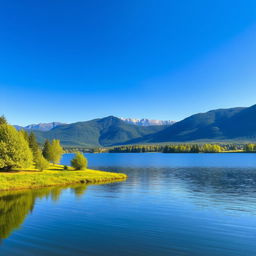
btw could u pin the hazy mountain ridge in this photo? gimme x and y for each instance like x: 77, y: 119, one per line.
x: 40, y: 126
x: 215, y: 125
x: 146, y: 122
x: 49, y: 126
x: 220, y: 124
x: 106, y: 131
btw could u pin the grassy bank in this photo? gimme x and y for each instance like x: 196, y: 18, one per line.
x: 32, y: 179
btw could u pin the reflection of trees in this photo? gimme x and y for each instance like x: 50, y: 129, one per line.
x: 79, y: 190
x: 13, y: 209
x: 228, y: 188
x: 114, y: 186
x: 16, y: 205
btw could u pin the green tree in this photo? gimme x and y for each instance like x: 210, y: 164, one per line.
x: 79, y: 162
x: 249, y: 147
x: 25, y: 134
x: 216, y: 148
x: 40, y: 162
x: 47, y: 150
x: 195, y: 149
x: 3, y: 120
x: 209, y: 148
x: 56, y: 151
x: 33, y: 145
x: 14, y: 149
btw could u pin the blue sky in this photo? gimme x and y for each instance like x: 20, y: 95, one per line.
x: 162, y: 59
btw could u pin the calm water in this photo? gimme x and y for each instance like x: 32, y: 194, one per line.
x: 171, y: 204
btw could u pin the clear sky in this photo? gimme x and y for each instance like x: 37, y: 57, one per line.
x: 76, y: 60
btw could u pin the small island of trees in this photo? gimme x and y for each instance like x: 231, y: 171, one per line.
x: 26, y: 164
x: 20, y: 149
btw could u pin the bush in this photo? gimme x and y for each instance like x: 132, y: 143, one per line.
x: 52, y: 151
x: 41, y: 163
x: 79, y: 162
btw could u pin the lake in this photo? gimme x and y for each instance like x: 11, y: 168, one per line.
x: 171, y: 204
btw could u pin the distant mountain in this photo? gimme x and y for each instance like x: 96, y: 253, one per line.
x: 234, y: 124
x: 107, y: 131
x: 39, y: 127
x: 18, y: 127
x: 146, y: 122
x: 221, y: 124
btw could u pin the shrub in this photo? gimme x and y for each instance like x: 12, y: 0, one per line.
x: 79, y: 162
x: 52, y: 151
x: 57, y: 151
x: 41, y: 163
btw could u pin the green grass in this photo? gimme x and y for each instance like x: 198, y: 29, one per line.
x: 31, y: 178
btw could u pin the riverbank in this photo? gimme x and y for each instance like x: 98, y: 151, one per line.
x: 34, y: 179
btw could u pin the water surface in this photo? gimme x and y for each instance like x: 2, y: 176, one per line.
x: 171, y: 204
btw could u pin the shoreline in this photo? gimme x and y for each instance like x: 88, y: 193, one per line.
x: 49, y: 178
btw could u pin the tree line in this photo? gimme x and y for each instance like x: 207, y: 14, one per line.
x: 250, y: 148
x: 180, y: 148
x: 184, y: 148
x: 20, y: 149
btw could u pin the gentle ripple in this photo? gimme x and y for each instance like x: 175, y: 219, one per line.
x: 171, y: 204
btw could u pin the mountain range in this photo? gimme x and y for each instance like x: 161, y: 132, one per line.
x: 146, y: 122
x: 104, y: 132
x: 234, y: 124
x: 48, y: 126
x: 39, y: 127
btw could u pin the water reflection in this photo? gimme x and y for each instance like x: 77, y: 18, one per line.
x: 16, y: 205
x: 232, y: 189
